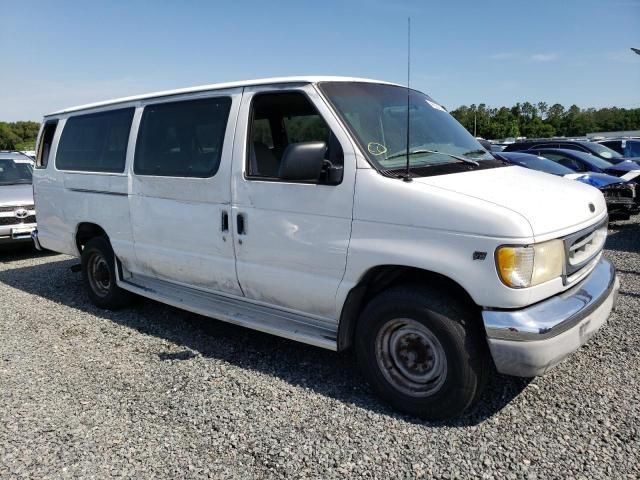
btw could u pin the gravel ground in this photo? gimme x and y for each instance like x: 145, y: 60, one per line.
x: 156, y: 392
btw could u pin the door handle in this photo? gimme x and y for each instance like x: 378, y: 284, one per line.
x: 240, y: 224
x: 225, y: 222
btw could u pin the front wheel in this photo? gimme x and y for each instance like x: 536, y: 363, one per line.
x: 422, y: 352
x: 99, y: 274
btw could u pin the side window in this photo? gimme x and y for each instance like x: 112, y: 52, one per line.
x: 44, y: 147
x: 284, y: 123
x: 182, y: 139
x: 573, y: 146
x: 581, y: 166
x: 262, y: 132
x: 572, y: 164
x: 306, y: 128
x: 96, y: 142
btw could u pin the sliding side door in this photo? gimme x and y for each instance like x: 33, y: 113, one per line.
x: 180, y: 203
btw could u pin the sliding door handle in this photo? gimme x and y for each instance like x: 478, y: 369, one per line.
x: 224, y: 226
x: 241, y: 224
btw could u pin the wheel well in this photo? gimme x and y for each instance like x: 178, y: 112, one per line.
x: 381, y: 278
x: 86, y: 231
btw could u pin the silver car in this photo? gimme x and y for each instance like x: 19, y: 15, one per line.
x: 17, y: 210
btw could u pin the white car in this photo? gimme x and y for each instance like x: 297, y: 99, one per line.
x: 17, y: 211
x: 303, y: 207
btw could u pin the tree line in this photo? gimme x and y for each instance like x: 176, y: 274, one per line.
x: 18, y: 135
x: 541, y: 120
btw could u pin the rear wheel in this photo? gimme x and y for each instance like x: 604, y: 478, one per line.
x: 422, y: 352
x: 99, y: 274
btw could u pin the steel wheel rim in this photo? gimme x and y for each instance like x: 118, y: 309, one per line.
x: 411, y: 357
x: 99, y: 275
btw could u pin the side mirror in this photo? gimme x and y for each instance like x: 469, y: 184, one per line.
x: 303, y: 161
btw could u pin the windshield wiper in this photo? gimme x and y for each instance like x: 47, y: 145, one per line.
x: 478, y: 151
x: 452, y: 155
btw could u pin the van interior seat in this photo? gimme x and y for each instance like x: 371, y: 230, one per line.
x: 263, y: 161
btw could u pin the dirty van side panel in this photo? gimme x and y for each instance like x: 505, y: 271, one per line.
x: 181, y: 190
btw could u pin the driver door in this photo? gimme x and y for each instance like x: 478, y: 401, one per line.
x: 291, y: 237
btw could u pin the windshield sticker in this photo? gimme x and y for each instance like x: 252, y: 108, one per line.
x: 436, y: 106
x: 376, y: 148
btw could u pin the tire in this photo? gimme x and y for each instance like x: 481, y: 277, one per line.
x: 422, y: 351
x: 99, y: 275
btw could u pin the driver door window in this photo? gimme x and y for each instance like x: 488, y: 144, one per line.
x: 279, y: 120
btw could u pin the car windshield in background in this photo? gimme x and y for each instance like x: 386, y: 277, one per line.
x: 377, y: 116
x: 543, y: 165
x: 604, y: 152
x: 593, y: 159
x: 12, y: 173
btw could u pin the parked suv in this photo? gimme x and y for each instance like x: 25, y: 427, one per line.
x: 17, y: 211
x: 303, y: 208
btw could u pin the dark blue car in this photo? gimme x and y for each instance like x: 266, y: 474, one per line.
x: 618, y: 193
x: 585, y: 162
x: 597, y: 149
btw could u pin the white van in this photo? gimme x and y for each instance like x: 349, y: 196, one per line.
x: 286, y: 205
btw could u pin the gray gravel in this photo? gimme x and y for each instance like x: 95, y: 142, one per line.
x: 156, y: 392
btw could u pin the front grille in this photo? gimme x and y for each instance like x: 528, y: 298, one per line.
x: 619, y: 191
x: 4, y: 221
x: 582, y: 247
x: 13, y: 208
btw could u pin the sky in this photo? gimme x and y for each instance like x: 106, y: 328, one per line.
x: 56, y: 54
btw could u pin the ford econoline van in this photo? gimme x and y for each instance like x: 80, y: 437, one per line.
x: 338, y: 212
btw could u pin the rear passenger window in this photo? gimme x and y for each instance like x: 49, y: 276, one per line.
x: 96, y: 142
x: 182, y: 139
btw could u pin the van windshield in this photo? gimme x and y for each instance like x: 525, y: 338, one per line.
x: 376, y: 114
x: 12, y: 173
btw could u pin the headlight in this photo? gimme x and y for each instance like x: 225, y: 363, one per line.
x: 521, y: 267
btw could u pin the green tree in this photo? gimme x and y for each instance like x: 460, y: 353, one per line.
x: 18, y: 135
x: 540, y: 120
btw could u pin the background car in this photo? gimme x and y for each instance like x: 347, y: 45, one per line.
x: 593, y: 148
x: 619, y: 194
x: 17, y: 210
x: 627, y: 147
x: 585, y: 162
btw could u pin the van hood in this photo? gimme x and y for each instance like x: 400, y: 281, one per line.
x: 21, y: 194
x: 548, y: 202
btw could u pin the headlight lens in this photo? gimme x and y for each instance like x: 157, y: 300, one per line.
x: 521, y: 267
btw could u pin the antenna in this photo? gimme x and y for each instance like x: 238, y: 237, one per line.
x: 407, y: 173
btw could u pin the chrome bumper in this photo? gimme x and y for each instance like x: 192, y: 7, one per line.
x: 17, y: 233
x: 36, y: 242
x: 530, y: 341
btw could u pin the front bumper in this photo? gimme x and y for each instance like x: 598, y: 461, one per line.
x: 530, y: 341
x: 16, y: 233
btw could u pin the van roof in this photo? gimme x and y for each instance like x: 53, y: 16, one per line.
x: 218, y: 86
